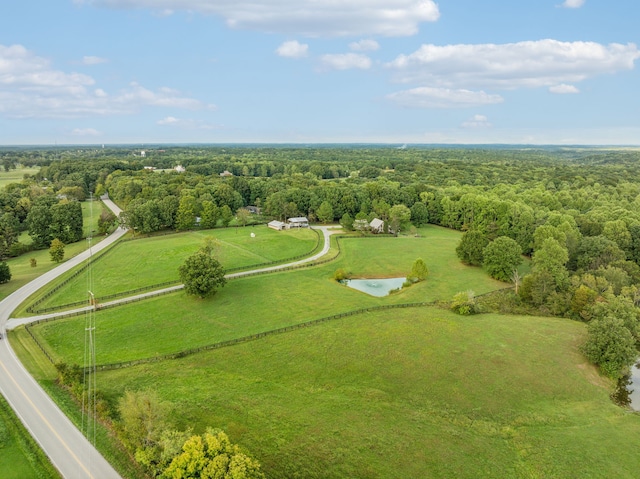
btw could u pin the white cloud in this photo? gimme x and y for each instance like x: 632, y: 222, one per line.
x: 186, y: 124
x: 563, y: 89
x: 90, y: 60
x: 31, y: 88
x: 477, y: 121
x: 345, y: 61
x: 364, y: 46
x: 529, y: 64
x: 573, y: 3
x: 293, y: 49
x: 85, y: 132
x: 428, y: 97
x: 314, y: 18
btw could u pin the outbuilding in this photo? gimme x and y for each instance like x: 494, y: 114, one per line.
x: 376, y: 226
x: 277, y: 225
x: 298, y: 222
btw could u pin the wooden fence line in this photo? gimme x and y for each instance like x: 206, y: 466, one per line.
x: 130, y: 292
x: 253, y: 337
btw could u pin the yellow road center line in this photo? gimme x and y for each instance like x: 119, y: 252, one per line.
x: 45, y: 421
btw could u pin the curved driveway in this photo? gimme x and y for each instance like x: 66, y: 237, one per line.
x: 69, y: 451
x: 67, y: 448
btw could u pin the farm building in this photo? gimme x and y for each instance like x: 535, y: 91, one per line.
x: 277, y: 225
x: 377, y: 226
x: 298, y: 222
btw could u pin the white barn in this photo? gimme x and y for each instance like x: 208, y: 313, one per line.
x: 298, y: 222
x: 277, y: 225
x: 377, y: 226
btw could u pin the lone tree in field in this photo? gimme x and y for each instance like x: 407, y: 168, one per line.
x: 56, y: 250
x: 202, y: 274
x: 419, y: 271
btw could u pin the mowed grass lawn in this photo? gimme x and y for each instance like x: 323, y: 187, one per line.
x: 148, y: 261
x: 412, y: 393
x: 245, y: 306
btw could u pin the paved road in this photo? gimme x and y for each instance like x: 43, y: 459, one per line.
x: 66, y: 447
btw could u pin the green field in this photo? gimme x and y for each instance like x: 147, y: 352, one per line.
x: 20, y: 456
x: 148, y: 261
x: 15, y: 176
x: 408, y: 393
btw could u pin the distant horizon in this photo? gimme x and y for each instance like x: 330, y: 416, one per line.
x: 393, y: 145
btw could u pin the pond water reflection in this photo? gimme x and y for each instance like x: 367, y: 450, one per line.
x: 375, y: 287
x: 628, y: 391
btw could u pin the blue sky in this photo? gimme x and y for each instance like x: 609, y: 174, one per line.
x: 305, y: 71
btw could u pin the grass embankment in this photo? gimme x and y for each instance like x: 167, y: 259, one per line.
x: 148, y: 261
x: 20, y: 456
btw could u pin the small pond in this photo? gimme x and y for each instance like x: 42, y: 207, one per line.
x: 628, y: 392
x: 375, y: 287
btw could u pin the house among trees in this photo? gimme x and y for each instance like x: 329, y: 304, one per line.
x: 277, y: 225
x: 254, y: 210
x: 180, y: 169
x: 298, y: 222
x: 377, y: 226
x: 226, y: 173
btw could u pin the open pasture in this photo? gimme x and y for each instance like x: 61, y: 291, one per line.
x: 245, y: 306
x: 148, y: 261
x: 15, y: 176
x: 405, y: 393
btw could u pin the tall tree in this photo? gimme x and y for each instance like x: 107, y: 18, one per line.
x: 66, y: 221
x: 471, y: 247
x: 501, y: 257
x: 56, y: 250
x: 187, y: 210
x: 610, y: 345
x: 202, y: 274
x: 325, y: 212
x: 9, y: 226
x: 399, y: 217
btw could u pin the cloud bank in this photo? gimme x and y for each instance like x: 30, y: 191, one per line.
x: 529, y: 64
x: 313, y: 18
x: 31, y: 88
